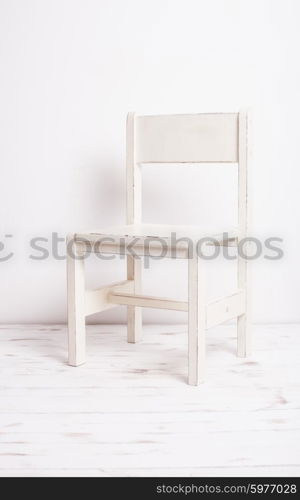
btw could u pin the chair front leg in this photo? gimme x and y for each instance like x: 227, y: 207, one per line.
x: 243, y: 321
x: 196, y: 319
x: 76, y: 303
x: 134, y: 314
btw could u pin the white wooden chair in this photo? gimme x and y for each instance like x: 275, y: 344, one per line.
x: 195, y: 138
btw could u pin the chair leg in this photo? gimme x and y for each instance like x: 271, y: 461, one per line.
x: 243, y: 328
x: 76, y: 304
x: 134, y: 314
x: 243, y: 321
x: 196, y: 320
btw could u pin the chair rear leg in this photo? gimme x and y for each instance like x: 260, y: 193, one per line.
x: 243, y: 332
x: 196, y: 320
x: 134, y: 314
x: 243, y: 321
x: 76, y: 303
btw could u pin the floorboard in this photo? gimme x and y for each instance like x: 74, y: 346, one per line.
x: 129, y: 412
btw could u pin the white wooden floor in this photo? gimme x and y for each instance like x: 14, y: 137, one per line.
x: 129, y: 411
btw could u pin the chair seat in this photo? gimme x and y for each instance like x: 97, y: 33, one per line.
x: 168, y: 233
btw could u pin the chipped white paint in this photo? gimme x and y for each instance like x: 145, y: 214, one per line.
x: 129, y: 411
x: 133, y: 216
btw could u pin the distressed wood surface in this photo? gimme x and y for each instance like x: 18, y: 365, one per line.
x: 76, y: 303
x: 133, y: 216
x: 148, y: 301
x: 244, y: 320
x: 196, y: 319
x: 225, y: 308
x: 97, y: 300
x: 129, y: 411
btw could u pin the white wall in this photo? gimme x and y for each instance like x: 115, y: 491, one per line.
x: 70, y: 71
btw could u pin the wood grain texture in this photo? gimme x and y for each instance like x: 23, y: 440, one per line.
x: 129, y: 411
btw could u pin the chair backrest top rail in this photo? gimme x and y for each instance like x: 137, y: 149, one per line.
x: 187, y: 138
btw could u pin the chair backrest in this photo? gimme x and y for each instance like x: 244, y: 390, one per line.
x: 193, y: 138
